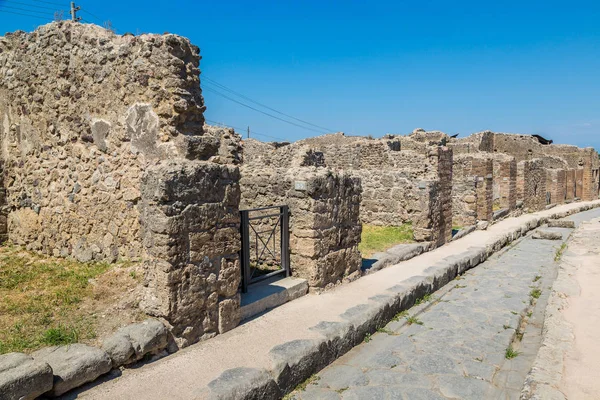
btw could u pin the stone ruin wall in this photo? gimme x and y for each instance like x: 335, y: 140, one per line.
x: 531, y: 184
x: 472, y: 189
x: 83, y: 112
x: 325, y: 223
x: 398, y: 185
x: 504, y: 181
x: 106, y: 156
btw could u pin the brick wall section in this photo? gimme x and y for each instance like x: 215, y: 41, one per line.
x: 505, y: 181
x: 325, y: 224
x: 589, y: 183
x: 570, y: 184
x: 579, y: 183
x: 472, y: 189
x: 531, y: 184
x: 556, y: 184
x: 445, y: 173
x: 190, y: 229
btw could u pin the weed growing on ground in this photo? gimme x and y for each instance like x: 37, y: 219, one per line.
x: 537, y: 278
x: 312, y: 380
x: 510, y: 353
x: 529, y: 314
x: 460, y: 286
x: 385, y: 330
x: 520, y: 334
x: 423, y: 299
x: 535, y: 293
x: 367, y: 338
x: 507, y: 326
x: 342, y: 390
x: 400, y: 315
x: 413, y: 320
x: 514, y: 312
x: 560, y: 251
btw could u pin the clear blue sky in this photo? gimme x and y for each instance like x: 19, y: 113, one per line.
x: 385, y: 66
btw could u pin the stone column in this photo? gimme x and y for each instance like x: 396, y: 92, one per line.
x: 190, y: 231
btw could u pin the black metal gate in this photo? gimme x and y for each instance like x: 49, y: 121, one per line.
x: 265, y: 244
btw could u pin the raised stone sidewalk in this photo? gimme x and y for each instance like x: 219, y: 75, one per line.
x: 269, y: 355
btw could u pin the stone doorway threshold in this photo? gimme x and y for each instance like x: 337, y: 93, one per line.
x: 271, y: 293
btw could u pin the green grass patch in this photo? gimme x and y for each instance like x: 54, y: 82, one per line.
x: 535, y: 293
x: 560, y: 251
x: 41, y: 300
x: 510, y: 353
x: 413, y: 320
x: 375, y: 239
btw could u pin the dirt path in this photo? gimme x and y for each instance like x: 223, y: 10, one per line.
x: 582, y: 366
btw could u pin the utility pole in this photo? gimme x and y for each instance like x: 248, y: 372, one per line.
x: 74, y: 10
x: 248, y: 132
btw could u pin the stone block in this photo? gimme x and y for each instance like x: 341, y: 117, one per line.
x: 73, y: 365
x: 23, y: 378
x: 561, y: 223
x: 547, y: 235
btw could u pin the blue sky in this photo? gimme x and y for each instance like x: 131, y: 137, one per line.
x: 383, y: 66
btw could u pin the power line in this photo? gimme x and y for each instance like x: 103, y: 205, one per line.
x: 260, y: 111
x: 24, y: 9
x: 240, y: 129
x: 49, y: 2
x: 31, y: 5
x: 26, y: 15
x: 262, y: 105
x: 93, y: 15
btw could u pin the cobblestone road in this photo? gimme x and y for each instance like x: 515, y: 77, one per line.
x: 456, y: 347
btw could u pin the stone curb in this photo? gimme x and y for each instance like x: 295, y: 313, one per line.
x: 56, y: 370
x: 294, y: 362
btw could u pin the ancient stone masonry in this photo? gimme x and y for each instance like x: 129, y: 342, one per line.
x: 325, y: 226
x: 472, y: 189
x: 531, y: 184
x: 82, y: 113
x: 556, y: 185
x: 106, y: 156
x: 190, y: 230
x: 505, y: 181
x: 402, y: 179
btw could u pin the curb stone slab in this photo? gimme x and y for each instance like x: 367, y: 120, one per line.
x: 561, y: 223
x: 22, y: 377
x: 73, y: 365
x: 133, y: 342
x: 547, y: 235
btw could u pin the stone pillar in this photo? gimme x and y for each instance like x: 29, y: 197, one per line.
x: 556, y: 185
x: 472, y: 189
x: 589, y: 190
x: 570, y: 185
x: 505, y: 182
x: 445, y: 164
x: 531, y: 177
x: 189, y: 214
x: 579, y: 183
x: 325, y: 227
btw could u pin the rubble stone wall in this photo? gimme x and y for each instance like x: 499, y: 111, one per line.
x: 570, y: 184
x: 556, y: 184
x: 400, y: 176
x: 531, y: 182
x: 190, y: 230
x: 505, y: 181
x: 83, y: 112
x: 472, y: 189
x: 325, y: 225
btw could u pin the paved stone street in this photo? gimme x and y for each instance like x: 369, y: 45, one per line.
x: 456, y: 348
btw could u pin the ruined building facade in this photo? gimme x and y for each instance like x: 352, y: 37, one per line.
x: 105, y: 155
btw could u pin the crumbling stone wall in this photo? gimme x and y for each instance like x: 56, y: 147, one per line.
x: 531, y: 184
x: 83, y: 112
x: 401, y: 178
x: 570, y: 184
x: 556, y: 185
x: 190, y: 226
x: 472, y: 189
x: 504, y: 181
x: 106, y: 155
x: 325, y: 224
